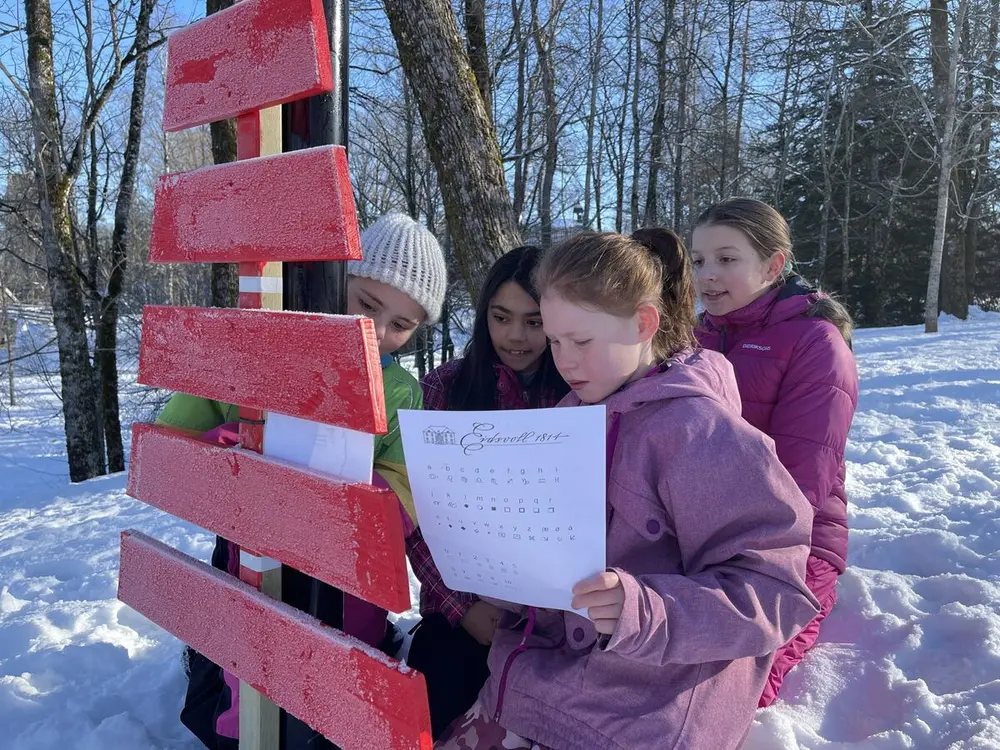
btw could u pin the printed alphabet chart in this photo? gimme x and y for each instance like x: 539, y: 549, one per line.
x: 511, y: 503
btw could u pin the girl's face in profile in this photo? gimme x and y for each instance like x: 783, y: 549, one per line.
x: 597, y: 352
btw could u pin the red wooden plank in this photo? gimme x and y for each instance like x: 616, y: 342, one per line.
x: 349, y: 535
x: 354, y: 695
x: 297, y: 206
x: 319, y: 367
x: 256, y: 54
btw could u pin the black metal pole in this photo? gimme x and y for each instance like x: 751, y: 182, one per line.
x: 321, y: 121
x: 317, y: 287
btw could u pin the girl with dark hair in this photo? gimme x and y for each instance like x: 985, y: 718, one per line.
x: 507, y: 365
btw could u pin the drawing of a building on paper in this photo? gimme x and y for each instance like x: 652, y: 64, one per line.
x: 434, y: 435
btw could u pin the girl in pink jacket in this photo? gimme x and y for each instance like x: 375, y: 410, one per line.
x: 707, y: 534
x: 790, y: 348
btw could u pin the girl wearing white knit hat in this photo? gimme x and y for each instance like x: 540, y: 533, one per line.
x: 400, y: 284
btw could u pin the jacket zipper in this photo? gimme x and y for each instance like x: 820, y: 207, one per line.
x: 722, y: 344
x: 521, y: 648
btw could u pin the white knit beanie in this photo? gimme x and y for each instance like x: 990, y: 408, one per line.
x: 400, y: 252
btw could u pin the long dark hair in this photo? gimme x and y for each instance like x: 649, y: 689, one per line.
x: 475, y: 384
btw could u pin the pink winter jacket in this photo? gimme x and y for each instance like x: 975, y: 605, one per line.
x: 710, y: 536
x: 798, y: 384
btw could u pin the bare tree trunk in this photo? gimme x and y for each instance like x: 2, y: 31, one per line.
x: 409, y: 164
x: 475, y: 36
x: 429, y: 342
x: 782, y: 128
x: 636, y: 130
x: 520, y: 170
x: 827, y: 156
x: 107, y: 331
x: 622, y: 159
x: 91, y: 277
x: 225, y: 276
x: 724, y: 104
x: 83, y: 440
x: 946, y: 90
x: 596, y: 43
x: 954, y: 294
x: 991, y: 74
x: 599, y: 186
x: 8, y: 329
x: 447, y: 345
x: 682, y: 109
x: 845, y: 224
x: 650, y: 213
x: 544, y: 39
x: 458, y: 132
x: 740, y: 103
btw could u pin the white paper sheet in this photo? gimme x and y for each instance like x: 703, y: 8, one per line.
x: 511, y: 503
x: 347, y: 454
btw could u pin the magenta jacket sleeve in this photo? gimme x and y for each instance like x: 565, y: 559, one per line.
x: 742, y: 529
x: 814, y: 411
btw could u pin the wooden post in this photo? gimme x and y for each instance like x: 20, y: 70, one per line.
x: 258, y: 134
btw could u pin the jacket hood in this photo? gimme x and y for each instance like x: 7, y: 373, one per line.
x: 688, y: 374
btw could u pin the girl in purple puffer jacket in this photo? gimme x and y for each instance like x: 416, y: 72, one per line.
x: 707, y: 533
x: 791, y: 349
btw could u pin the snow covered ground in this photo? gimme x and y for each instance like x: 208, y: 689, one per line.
x: 910, y: 657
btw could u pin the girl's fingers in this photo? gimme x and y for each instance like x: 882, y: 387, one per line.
x: 609, y: 612
x: 599, y: 598
x: 602, y: 581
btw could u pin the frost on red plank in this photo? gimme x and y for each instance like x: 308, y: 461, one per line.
x: 351, y: 693
x: 319, y: 367
x: 297, y: 206
x: 255, y: 54
x: 348, y: 535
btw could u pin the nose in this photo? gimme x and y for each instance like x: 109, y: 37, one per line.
x: 705, y: 273
x: 564, y: 363
x: 380, y: 326
x: 517, y: 332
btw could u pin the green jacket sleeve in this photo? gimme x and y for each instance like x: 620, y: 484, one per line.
x: 197, y: 414
x: 402, y: 391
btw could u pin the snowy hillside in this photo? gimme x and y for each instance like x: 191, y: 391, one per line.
x: 910, y: 658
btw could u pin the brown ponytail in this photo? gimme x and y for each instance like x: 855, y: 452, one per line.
x: 616, y: 274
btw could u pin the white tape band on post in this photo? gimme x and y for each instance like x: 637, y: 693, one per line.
x: 257, y: 564
x: 260, y: 285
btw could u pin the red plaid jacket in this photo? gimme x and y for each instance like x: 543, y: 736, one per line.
x: 434, y: 595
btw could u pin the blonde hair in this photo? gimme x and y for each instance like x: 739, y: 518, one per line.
x: 616, y: 274
x: 769, y: 234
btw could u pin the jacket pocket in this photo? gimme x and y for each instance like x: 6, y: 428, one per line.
x: 643, y: 516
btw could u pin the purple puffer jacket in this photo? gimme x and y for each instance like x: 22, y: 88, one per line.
x: 799, y: 385
x: 710, y: 537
